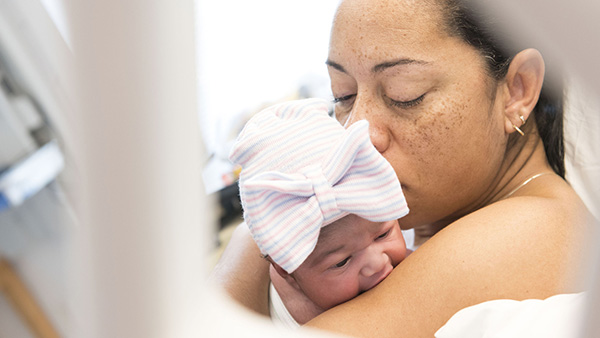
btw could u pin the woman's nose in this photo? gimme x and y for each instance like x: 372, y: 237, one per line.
x: 379, y: 137
x: 378, y: 130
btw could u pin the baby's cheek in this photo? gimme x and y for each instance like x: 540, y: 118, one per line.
x: 345, y: 290
x: 398, y: 253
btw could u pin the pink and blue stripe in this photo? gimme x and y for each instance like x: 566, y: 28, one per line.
x: 302, y: 171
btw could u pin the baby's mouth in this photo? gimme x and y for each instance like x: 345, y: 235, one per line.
x: 380, y: 279
x: 384, y: 276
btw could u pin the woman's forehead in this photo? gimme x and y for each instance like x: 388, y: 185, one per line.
x: 402, y: 12
x: 368, y: 28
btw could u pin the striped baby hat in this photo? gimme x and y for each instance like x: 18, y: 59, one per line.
x: 301, y: 170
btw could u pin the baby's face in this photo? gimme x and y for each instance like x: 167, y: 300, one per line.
x: 351, y: 256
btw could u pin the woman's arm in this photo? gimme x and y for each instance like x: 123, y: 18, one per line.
x: 243, y: 273
x: 520, y: 248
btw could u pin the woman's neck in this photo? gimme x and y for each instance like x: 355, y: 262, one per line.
x: 528, y: 161
x: 524, y: 160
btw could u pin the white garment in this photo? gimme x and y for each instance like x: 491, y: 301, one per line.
x: 555, y: 317
x: 279, y: 313
x: 409, y: 239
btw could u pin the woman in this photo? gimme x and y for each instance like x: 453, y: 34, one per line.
x: 477, y: 146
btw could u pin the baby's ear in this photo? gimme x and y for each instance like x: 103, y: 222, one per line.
x: 280, y: 271
x: 284, y: 274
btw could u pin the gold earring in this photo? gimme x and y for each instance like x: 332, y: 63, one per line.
x: 523, y: 120
x: 519, y: 130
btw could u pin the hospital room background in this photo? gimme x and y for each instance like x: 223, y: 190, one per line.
x: 99, y: 150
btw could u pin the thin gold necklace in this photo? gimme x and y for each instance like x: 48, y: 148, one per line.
x: 523, y: 184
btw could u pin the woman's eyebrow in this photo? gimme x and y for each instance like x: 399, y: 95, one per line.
x: 399, y: 62
x: 380, y: 67
x: 335, y: 65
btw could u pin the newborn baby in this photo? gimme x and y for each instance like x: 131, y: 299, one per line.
x: 322, y: 205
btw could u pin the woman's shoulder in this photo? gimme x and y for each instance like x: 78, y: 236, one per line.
x: 545, y: 230
x: 549, y: 203
x: 525, y: 246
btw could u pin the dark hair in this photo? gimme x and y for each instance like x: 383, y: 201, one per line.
x: 469, y: 24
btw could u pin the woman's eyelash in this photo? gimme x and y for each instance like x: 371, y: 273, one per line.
x: 399, y: 104
x: 343, y: 98
x: 408, y: 104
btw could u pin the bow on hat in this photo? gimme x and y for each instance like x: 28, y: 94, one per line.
x: 285, y: 211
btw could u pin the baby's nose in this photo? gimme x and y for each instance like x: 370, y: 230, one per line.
x: 375, y: 263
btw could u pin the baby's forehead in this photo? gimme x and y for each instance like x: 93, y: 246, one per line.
x: 337, y: 228
x: 345, y: 228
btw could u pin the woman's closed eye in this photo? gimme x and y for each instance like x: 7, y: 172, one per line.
x: 407, y: 104
x: 343, y: 106
x: 343, y: 99
x: 347, y: 99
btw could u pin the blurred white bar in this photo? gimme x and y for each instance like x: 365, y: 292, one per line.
x: 139, y: 250
x: 566, y: 32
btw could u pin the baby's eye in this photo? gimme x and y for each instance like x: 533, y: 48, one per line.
x: 383, y: 235
x: 342, y: 263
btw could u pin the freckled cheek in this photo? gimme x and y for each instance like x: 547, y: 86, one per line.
x: 424, y: 140
x: 435, y: 147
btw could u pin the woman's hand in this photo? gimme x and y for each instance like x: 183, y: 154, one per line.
x: 243, y: 273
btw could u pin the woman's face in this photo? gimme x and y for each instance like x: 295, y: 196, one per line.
x: 433, y: 111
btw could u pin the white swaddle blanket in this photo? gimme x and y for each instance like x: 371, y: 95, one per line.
x: 279, y: 313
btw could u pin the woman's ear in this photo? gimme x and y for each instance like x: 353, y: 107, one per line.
x: 524, y: 80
